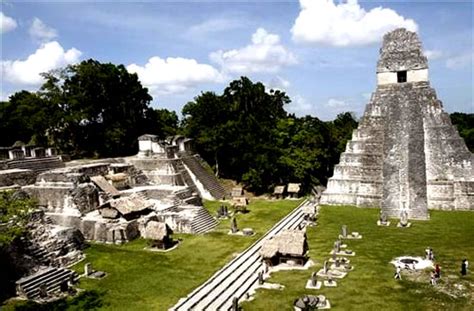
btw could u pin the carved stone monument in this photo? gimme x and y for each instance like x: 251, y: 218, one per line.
x: 233, y: 225
x: 88, y: 269
x: 314, y: 279
x: 344, y: 231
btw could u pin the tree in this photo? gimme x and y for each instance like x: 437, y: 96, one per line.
x: 14, y: 212
x: 305, y: 149
x: 104, y: 108
x: 25, y: 117
x: 465, y: 124
x: 163, y: 122
x: 235, y: 131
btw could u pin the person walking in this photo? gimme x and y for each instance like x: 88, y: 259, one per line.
x: 437, y: 271
x: 397, y: 274
x: 433, y: 278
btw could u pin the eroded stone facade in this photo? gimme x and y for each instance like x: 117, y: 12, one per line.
x: 111, y: 200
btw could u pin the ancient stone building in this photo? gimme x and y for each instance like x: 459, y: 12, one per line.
x: 405, y: 154
x: 111, y: 200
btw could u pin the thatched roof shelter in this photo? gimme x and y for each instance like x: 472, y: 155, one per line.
x: 293, y: 188
x: 288, y: 242
x: 237, y: 192
x: 309, y: 209
x: 279, y: 190
x: 155, y: 230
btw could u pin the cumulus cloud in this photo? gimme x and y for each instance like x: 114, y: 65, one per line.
x: 6, y: 23
x: 336, y: 104
x: 278, y: 83
x: 264, y: 54
x: 214, y: 25
x: 41, y: 32
x: 4, y: 96
x: 433, y: 54
x: 345, y: 24
x: 300, y: 106
x: 460, y: 61
x: 172, y: 75
x: 49, y: 56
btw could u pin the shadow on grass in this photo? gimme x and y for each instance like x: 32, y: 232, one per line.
x: 86, y: 300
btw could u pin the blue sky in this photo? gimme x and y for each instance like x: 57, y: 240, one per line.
x: 322, y: 53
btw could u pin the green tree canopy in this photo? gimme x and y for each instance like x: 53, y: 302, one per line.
x: 103, y: 108
x: 90, y: 109
x: 465, y: 125
x: 249, y: 137
x: 14, y: 211
x: 25, y: 117
x: 234, y: 131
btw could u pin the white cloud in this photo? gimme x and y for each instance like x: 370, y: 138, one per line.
x: 460, y: 61
x: 299, y: 106
x: 327, y: 109
x: 6, y: 23
x: 278, y: 83
x: 172, y: 75
x: 433, y: 54
x: 264, y: 54
x: 41, y: 32
x: 4, y: 96
x: 336, y: 104
x: 345, y: 24
x: 214, y: 25
x: 366, y: 96
x: 49, y: 56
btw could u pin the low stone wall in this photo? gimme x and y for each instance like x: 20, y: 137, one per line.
x: 17, y: 177
x: 100, y: 229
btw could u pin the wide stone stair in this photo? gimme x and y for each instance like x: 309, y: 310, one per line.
x: 29, y: 287
x: 203, y: 222
x: 37, y: 164
x: 208, y: 180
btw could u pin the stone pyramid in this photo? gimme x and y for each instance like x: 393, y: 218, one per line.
x: 405, y: 154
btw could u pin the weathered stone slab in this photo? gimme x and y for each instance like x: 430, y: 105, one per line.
x: 104, y: 185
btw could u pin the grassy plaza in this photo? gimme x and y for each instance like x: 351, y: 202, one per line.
x: 142, y: 280
x: 371, y: 286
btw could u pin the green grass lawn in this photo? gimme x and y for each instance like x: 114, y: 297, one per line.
x: 143, y: 280
x: 370, y: 286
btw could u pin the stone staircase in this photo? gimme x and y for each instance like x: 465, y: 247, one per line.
x: 37, y: 164
x: 29, y: 287
x: 208, y: 180
x: 203, y: 222
x: 41, y: 254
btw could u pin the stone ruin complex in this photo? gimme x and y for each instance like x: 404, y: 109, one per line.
x: 107, y: 200
x: 111, y: 200
x: 405, y: 155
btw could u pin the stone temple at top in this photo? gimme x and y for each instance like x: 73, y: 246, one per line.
x: 405, y: 154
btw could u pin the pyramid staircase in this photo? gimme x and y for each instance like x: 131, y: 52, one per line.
x: 208, y: 180
x: 29, y: 287
x: 37, y: 164
x: 203, y: 222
